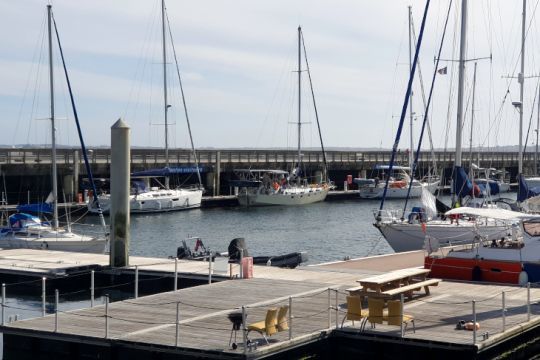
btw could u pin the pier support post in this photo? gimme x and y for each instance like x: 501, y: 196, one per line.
x: 244, y: 329
x: 76, y: 168
x: 474, y: 321
x: 218, y: 174
x: 43, y: 295
x: 136, y: 295
x: 528, y: 301
x: 3, y: 304
x: 175, y: 274
x: 56, y: 301
x: 290, y: 317
x: 120, y: 175
x: 92, y: 287
x: 106, y: 316
x: 503, y: 315
x: 177, y: 333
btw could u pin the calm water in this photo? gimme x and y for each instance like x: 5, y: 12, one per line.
x: 328, y: 231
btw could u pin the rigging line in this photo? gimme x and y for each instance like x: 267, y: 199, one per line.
x: 530, y: 118
x: 404, y: 108
x: 184, y: 102
x: 76, y: 116
x: 315, y: 108
x: 415, y: 163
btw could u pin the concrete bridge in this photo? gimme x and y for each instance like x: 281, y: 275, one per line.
x: 28, y: 170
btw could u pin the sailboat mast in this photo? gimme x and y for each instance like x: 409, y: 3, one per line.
x: 299, y: 100
x: 461, y: 80
x: 537, y: 130
x: 411, y: 156
x: 472, y: 124
x: 521, y: 80
x: 165, y: 105
x: 53, y: 125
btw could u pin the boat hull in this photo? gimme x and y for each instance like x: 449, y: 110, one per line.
x: 299, y: 196
x: 155, y: 201
x: 475, y: 269
x: 63, y: 242
x: 376, y: 192
x: 402, y: 236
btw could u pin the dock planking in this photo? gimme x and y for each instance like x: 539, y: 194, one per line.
x: 149, y: 322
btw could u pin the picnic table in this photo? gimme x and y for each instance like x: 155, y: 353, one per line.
x: 389, y: 284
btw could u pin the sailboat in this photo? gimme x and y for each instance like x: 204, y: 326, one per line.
x: 410, y: 233
x: 144, y: 197
x: 279, y: 187
x: 27, y: 231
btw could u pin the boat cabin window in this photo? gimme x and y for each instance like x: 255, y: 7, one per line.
x: 532, y: 228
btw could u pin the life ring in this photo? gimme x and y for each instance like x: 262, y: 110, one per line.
x: 275, y: 185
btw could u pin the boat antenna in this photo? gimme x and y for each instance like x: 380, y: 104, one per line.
x: 79, y: 132
x: 428, y: 104
x: 184, y: 103
x: 404, y: 108
x: 53, y: 125
x: 315, y: 107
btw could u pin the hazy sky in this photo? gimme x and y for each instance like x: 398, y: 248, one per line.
x: 237, y: 60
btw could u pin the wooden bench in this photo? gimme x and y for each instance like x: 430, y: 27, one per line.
x: 354, y: 290
x: 408, y: 289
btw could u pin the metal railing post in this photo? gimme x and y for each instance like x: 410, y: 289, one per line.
x: 474, y: 320
x: 244, y: 330
x: 503, y: 311
x: 329, y: 309
x: 136, y: 281
x: 175, y: 274
x: 210, y: 269
x: 177, y: 324
x: 336, y: 309
x: 401, y: 300
x: 528, y: 301
x: 3, y: 304
x: 92, y: 287
x: 290, y: 317
x: 106, y: 316
x: 56, y: 301
x: 43, y: 295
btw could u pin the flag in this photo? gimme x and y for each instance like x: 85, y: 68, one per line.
x: 442, y: 71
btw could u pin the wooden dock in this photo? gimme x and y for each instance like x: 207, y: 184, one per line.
x: 146, y: 326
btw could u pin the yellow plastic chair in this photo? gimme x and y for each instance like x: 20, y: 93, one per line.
x: 266, y: 327
x: 354, y: 310
x: 282, y: 320
x: 394, y: 315
x: 376, y: 313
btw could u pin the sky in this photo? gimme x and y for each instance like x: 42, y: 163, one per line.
x: 238, y: 61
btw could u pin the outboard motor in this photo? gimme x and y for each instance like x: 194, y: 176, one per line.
x: 237, y: 248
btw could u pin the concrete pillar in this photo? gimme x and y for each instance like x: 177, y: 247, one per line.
x: 68, y: 187
x: 76, y: 167
x: 318, y: 177
x: 218, y: 173
x: 120, y: 173
x: 210, y: 180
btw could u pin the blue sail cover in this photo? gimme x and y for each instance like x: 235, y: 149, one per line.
x: 524, y: 192
x: 45, y: 208
x: 21, y: 220
x: 168, y: 171
x: 462, y: 186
